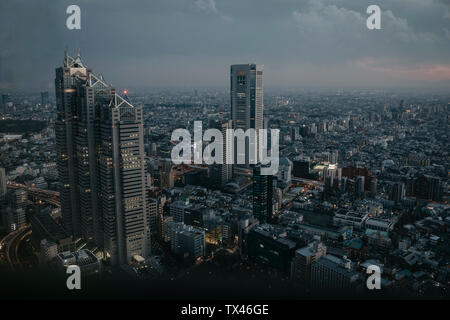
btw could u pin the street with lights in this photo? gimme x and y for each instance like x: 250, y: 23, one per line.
x: 12, y: 245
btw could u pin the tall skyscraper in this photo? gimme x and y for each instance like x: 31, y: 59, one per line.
x: 101, y: 163
x: 44, y: 98
x: 247, y: 105
x: 262, y: 195
x: 221, y: 174
x: 2, y: 182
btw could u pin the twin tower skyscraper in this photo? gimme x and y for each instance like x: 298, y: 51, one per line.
x: 101, y: 158
x: 101, y: 164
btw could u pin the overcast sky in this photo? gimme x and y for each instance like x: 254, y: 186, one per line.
x: 192, y: 43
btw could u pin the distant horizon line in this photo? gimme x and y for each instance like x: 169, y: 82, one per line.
x: 268, y: 89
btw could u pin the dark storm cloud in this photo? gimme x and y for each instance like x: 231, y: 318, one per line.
x: 179, y: 43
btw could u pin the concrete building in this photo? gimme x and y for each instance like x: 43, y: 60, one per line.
x: 285, y: 171
x: 16, y: 209
x: 187, y: 241
x: 87, y: 261
x: 333, y: 273
x: 380, y: 224
x: 177, y: 209
x: 303, y: 260
x: 344, y: 217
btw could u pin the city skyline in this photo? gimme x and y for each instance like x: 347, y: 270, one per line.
x: 106, y: 193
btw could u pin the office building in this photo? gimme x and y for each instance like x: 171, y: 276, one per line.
x: 6, y: 99
x: 269, y: 245
x: 334, y: 157
x: 87, y: 261
x: 177, y: 209
x: 398, y: 192
x: 360, y: 185
x: 221, y: 174
x: 186, y: 241
x: 333, y: 273
x: 262, y: 195
x: 101, y: 163
x: 285, y: 171
x: 152, y: 215
x: 163, y: 231
x: 16, y: 209
x: 295, y: 133
x: 303, y: 260
x: 427, y: 187
x: 44, y: 98
x: 301, y: 167
x: 247, y: 105
x: 166, y: 177
x: 352, y: 172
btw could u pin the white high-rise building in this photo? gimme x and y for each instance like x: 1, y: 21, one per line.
x: 247, y: 105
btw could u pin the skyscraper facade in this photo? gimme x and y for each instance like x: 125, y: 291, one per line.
x: 2, y: 182
x: 44, y: 98
x: 101, y: 163
x: 221, y: 174
x: 262, y: 196
x: 247, y: 107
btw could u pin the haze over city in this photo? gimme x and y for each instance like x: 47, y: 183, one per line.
x: 316, y: 44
